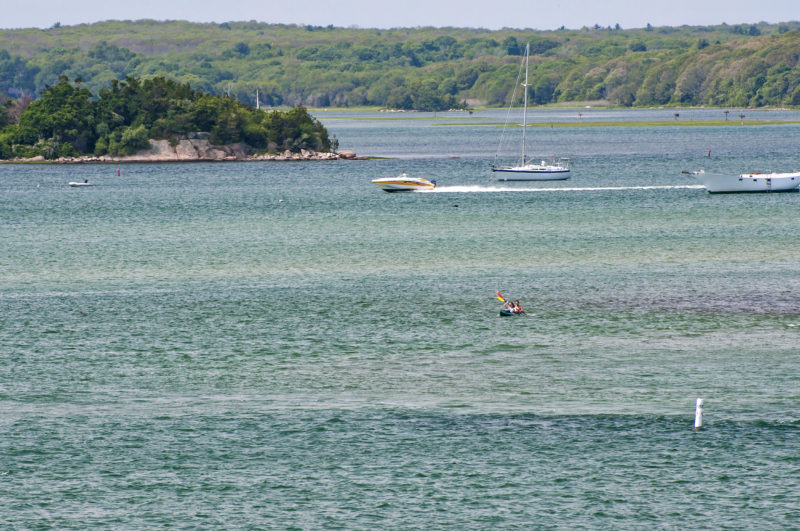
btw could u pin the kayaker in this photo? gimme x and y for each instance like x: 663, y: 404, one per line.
x: 517, y: 307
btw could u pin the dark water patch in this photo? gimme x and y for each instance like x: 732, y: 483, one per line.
x: 408, y: 458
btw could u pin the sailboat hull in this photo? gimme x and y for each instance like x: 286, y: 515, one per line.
x: 533, y: 172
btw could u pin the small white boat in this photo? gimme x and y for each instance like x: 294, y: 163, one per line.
x: 84, y: 183
x: 403, y: 183
x: 718, y: 183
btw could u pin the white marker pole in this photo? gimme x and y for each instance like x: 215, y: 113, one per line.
x: 698, y: 414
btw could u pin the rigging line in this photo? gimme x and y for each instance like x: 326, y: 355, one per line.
x: 508, y: 113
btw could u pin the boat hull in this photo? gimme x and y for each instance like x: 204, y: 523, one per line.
x: 506, y: 313
x: 404, y: 184
x: 76, y: 185
x: 556, y: 171
x: 718, y: 183
x: 513, y: 174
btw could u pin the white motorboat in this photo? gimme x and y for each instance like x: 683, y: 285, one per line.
x: 717, y: 183
x: 76, y: 184
x: 556, y: 170
x: 403, y: 183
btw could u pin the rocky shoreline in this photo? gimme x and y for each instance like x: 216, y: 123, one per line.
x: 199, y: 150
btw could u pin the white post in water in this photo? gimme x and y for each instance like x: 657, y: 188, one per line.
x: 698, y: 414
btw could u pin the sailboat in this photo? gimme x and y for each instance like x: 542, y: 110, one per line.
x: 555, y: 170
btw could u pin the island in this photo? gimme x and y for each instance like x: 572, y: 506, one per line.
x: 158, y: 120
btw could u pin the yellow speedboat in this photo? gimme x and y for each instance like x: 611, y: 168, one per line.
x: 403, y: 183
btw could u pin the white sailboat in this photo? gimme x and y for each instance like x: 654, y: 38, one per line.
x: 555, y: 170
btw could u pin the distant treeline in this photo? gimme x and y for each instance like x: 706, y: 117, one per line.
x: 68, y: 120
x: 421, y: 68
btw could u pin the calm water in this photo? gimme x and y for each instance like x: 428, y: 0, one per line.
x: 282, y: 345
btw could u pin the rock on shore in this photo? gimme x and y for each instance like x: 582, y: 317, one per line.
x: 202, y: 151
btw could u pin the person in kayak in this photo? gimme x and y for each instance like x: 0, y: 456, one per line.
x: 517, y: 307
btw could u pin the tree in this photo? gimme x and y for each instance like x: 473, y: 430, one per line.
x: 4, y: 118
x: 63, y: 114
x: 511, y: 46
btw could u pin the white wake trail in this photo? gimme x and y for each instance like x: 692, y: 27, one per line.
x: 496, y: 189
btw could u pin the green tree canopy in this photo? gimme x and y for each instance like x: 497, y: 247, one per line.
x: 68, y: 120
x: 325, y: 66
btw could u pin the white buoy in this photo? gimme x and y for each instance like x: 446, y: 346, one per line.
x: 698, y: 414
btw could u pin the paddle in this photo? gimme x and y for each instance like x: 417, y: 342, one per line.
x: 500, y: 297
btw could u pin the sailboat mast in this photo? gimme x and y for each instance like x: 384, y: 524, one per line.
x: 525, y: 104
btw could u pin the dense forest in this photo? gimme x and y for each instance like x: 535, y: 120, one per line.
x: 417, y: 68
x: 68, y: 120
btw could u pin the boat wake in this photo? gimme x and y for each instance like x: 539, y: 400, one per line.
x: 495, y: 189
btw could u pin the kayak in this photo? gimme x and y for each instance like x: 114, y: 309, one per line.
x: 506, y: 313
